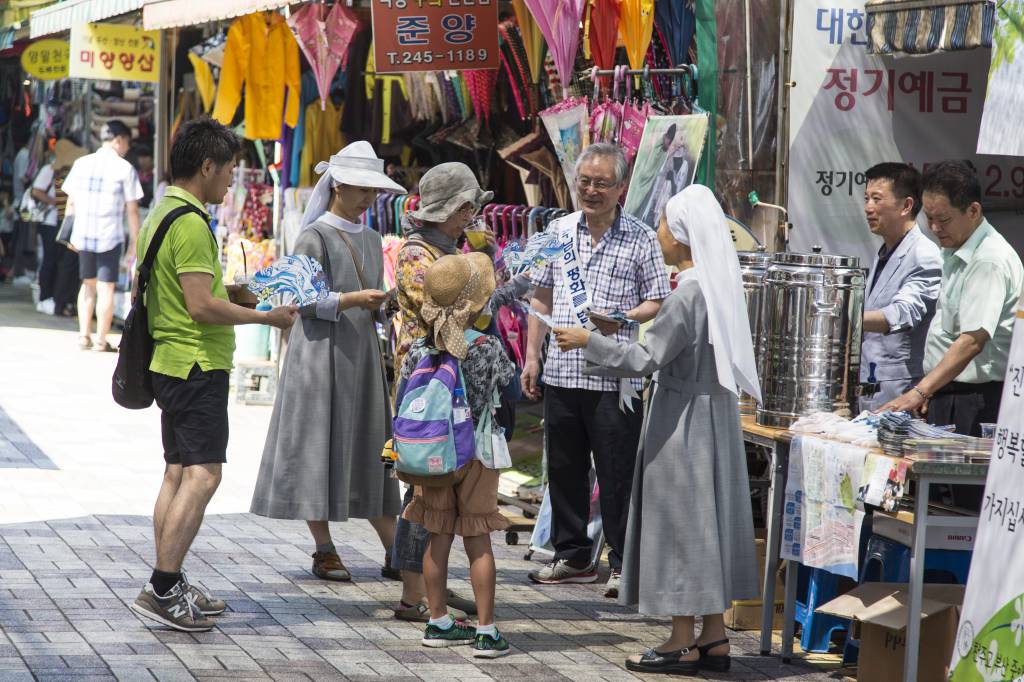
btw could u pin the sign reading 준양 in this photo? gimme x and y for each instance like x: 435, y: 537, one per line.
x: 115, y: 52
x: 435, y: 35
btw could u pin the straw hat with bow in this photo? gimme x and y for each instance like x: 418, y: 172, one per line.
x: 456, y: 289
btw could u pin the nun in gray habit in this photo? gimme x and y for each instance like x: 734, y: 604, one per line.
x: 690, y: 536
x: 332, y: 413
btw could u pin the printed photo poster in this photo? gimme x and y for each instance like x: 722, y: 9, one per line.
x: 665, y: 164
x: 851, y: 110
x: 990, y: 639
x: 566, y: 125
x: 1001, y: 129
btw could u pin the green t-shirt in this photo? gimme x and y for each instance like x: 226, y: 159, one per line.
x: 179, y: 341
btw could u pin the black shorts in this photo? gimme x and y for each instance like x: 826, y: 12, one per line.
x: 100, y: 266
x: 194, y: 416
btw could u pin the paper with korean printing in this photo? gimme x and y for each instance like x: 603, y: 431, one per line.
x: 990, y: 639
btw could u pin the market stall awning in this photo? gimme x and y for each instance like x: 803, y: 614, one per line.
x: 926, y: 26
x: 63, y: 15
x: 171, y: 13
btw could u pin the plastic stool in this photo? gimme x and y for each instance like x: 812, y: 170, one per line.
x: 816, y: 628
x: 887, y: 560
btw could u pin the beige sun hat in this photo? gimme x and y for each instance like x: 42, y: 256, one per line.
x: 456, y: 289
x: 445, y: 188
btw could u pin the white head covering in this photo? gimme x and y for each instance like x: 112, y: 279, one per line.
x: 696, y: 219
x: 356, y: 165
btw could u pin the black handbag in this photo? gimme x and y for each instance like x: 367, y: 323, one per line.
x: 132, y: 383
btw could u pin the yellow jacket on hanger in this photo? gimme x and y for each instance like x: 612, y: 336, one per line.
x: 262, y: 54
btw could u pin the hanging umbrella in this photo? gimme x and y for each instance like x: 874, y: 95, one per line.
x: 636, y: 24
x: 604, y: 31
x: 677, y: 22
x: 533, y: 40
x: 559, y: 21
x: 324, y: 41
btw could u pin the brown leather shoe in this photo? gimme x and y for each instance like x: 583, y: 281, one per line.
x: 328, y: 566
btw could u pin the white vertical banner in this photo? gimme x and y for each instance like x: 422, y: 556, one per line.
x: 990, y: 639
x: 851, y: 110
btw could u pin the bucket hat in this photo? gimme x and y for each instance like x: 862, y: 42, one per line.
x: 456, y: 288
x: 446, y: 187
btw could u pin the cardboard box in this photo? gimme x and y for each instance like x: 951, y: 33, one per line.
x: 746, y: 614
x: 879, y: 613
x: 900, y: 527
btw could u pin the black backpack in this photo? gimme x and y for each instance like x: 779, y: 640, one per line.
x: 132, y: 383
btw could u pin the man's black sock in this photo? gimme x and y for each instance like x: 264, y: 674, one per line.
x: 163, y: 582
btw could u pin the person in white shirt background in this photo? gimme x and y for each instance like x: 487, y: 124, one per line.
x: 20, y: 242
x: 103, y: 190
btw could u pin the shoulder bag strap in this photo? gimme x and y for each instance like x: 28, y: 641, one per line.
x: 145, y: 269
x: 373, y: 326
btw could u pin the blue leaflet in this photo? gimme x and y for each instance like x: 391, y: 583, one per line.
x: 300, y: 279
x: 537, y: 252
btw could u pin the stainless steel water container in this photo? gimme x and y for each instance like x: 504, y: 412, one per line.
x: 813, y: 312
x: 753, y: 267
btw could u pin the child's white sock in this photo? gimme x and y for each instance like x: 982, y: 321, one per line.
x: 445, y: 623
x: 489, y: 630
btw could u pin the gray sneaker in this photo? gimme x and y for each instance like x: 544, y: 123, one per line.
x: 177, y: 610
x: 611, y: 588
x: 559, y: 571
x: 207, y: 603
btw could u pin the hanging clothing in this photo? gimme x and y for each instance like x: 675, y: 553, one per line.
x: 204, y: 80
x: 690, y: 535
x: 262, y: 55
x: 322, y: 454
x: 322, y: 137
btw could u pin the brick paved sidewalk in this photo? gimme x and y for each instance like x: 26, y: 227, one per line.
x: 77, y: 480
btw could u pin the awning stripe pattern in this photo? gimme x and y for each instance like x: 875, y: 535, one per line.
x: 63, y: 15
x: 926, y: 26
x: 171, y: 13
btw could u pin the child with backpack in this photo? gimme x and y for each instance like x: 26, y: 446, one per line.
x: 452, y: 457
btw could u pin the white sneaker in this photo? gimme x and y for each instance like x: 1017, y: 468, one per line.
x: 22, y: 281
x: 46, y: 307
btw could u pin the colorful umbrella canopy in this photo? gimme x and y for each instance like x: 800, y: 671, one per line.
x: 636, y: 24
x: 324, y: 41
x: 604, y: 31
x: 678, y: 23
x: 533, y: 40
x: 559, y: 22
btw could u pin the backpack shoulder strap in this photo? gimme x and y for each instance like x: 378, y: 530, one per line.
x: 146, y: 267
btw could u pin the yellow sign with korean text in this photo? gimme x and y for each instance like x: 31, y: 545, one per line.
x: 47, y: 59
x: 119, y: 52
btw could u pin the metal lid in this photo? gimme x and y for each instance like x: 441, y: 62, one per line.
x: 816, y: 260
x: 754, y: 258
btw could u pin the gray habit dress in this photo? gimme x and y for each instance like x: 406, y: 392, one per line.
x: 690, y: 535
x: 321, y: 460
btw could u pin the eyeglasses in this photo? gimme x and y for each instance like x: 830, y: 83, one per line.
x: 598, y: 185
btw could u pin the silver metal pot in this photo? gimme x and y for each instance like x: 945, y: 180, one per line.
x: 813, y: 312
x: 753, y: 267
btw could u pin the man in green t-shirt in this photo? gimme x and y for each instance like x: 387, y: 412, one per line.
x: 191, y: 319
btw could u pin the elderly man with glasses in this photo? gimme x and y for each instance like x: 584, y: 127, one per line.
x: 611, y: 278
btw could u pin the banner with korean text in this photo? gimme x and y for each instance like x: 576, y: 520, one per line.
x: 119, y: 52
x: 435, y: 35
x: 990, y: 640
x: 850, y: 110
x: 46, y: 60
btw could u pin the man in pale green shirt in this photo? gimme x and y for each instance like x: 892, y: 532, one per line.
x: 191, y: 320
x: 968, y: 342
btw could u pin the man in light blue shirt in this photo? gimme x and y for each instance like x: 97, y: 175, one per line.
x: 903, y: 284
x: 968, y: 342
